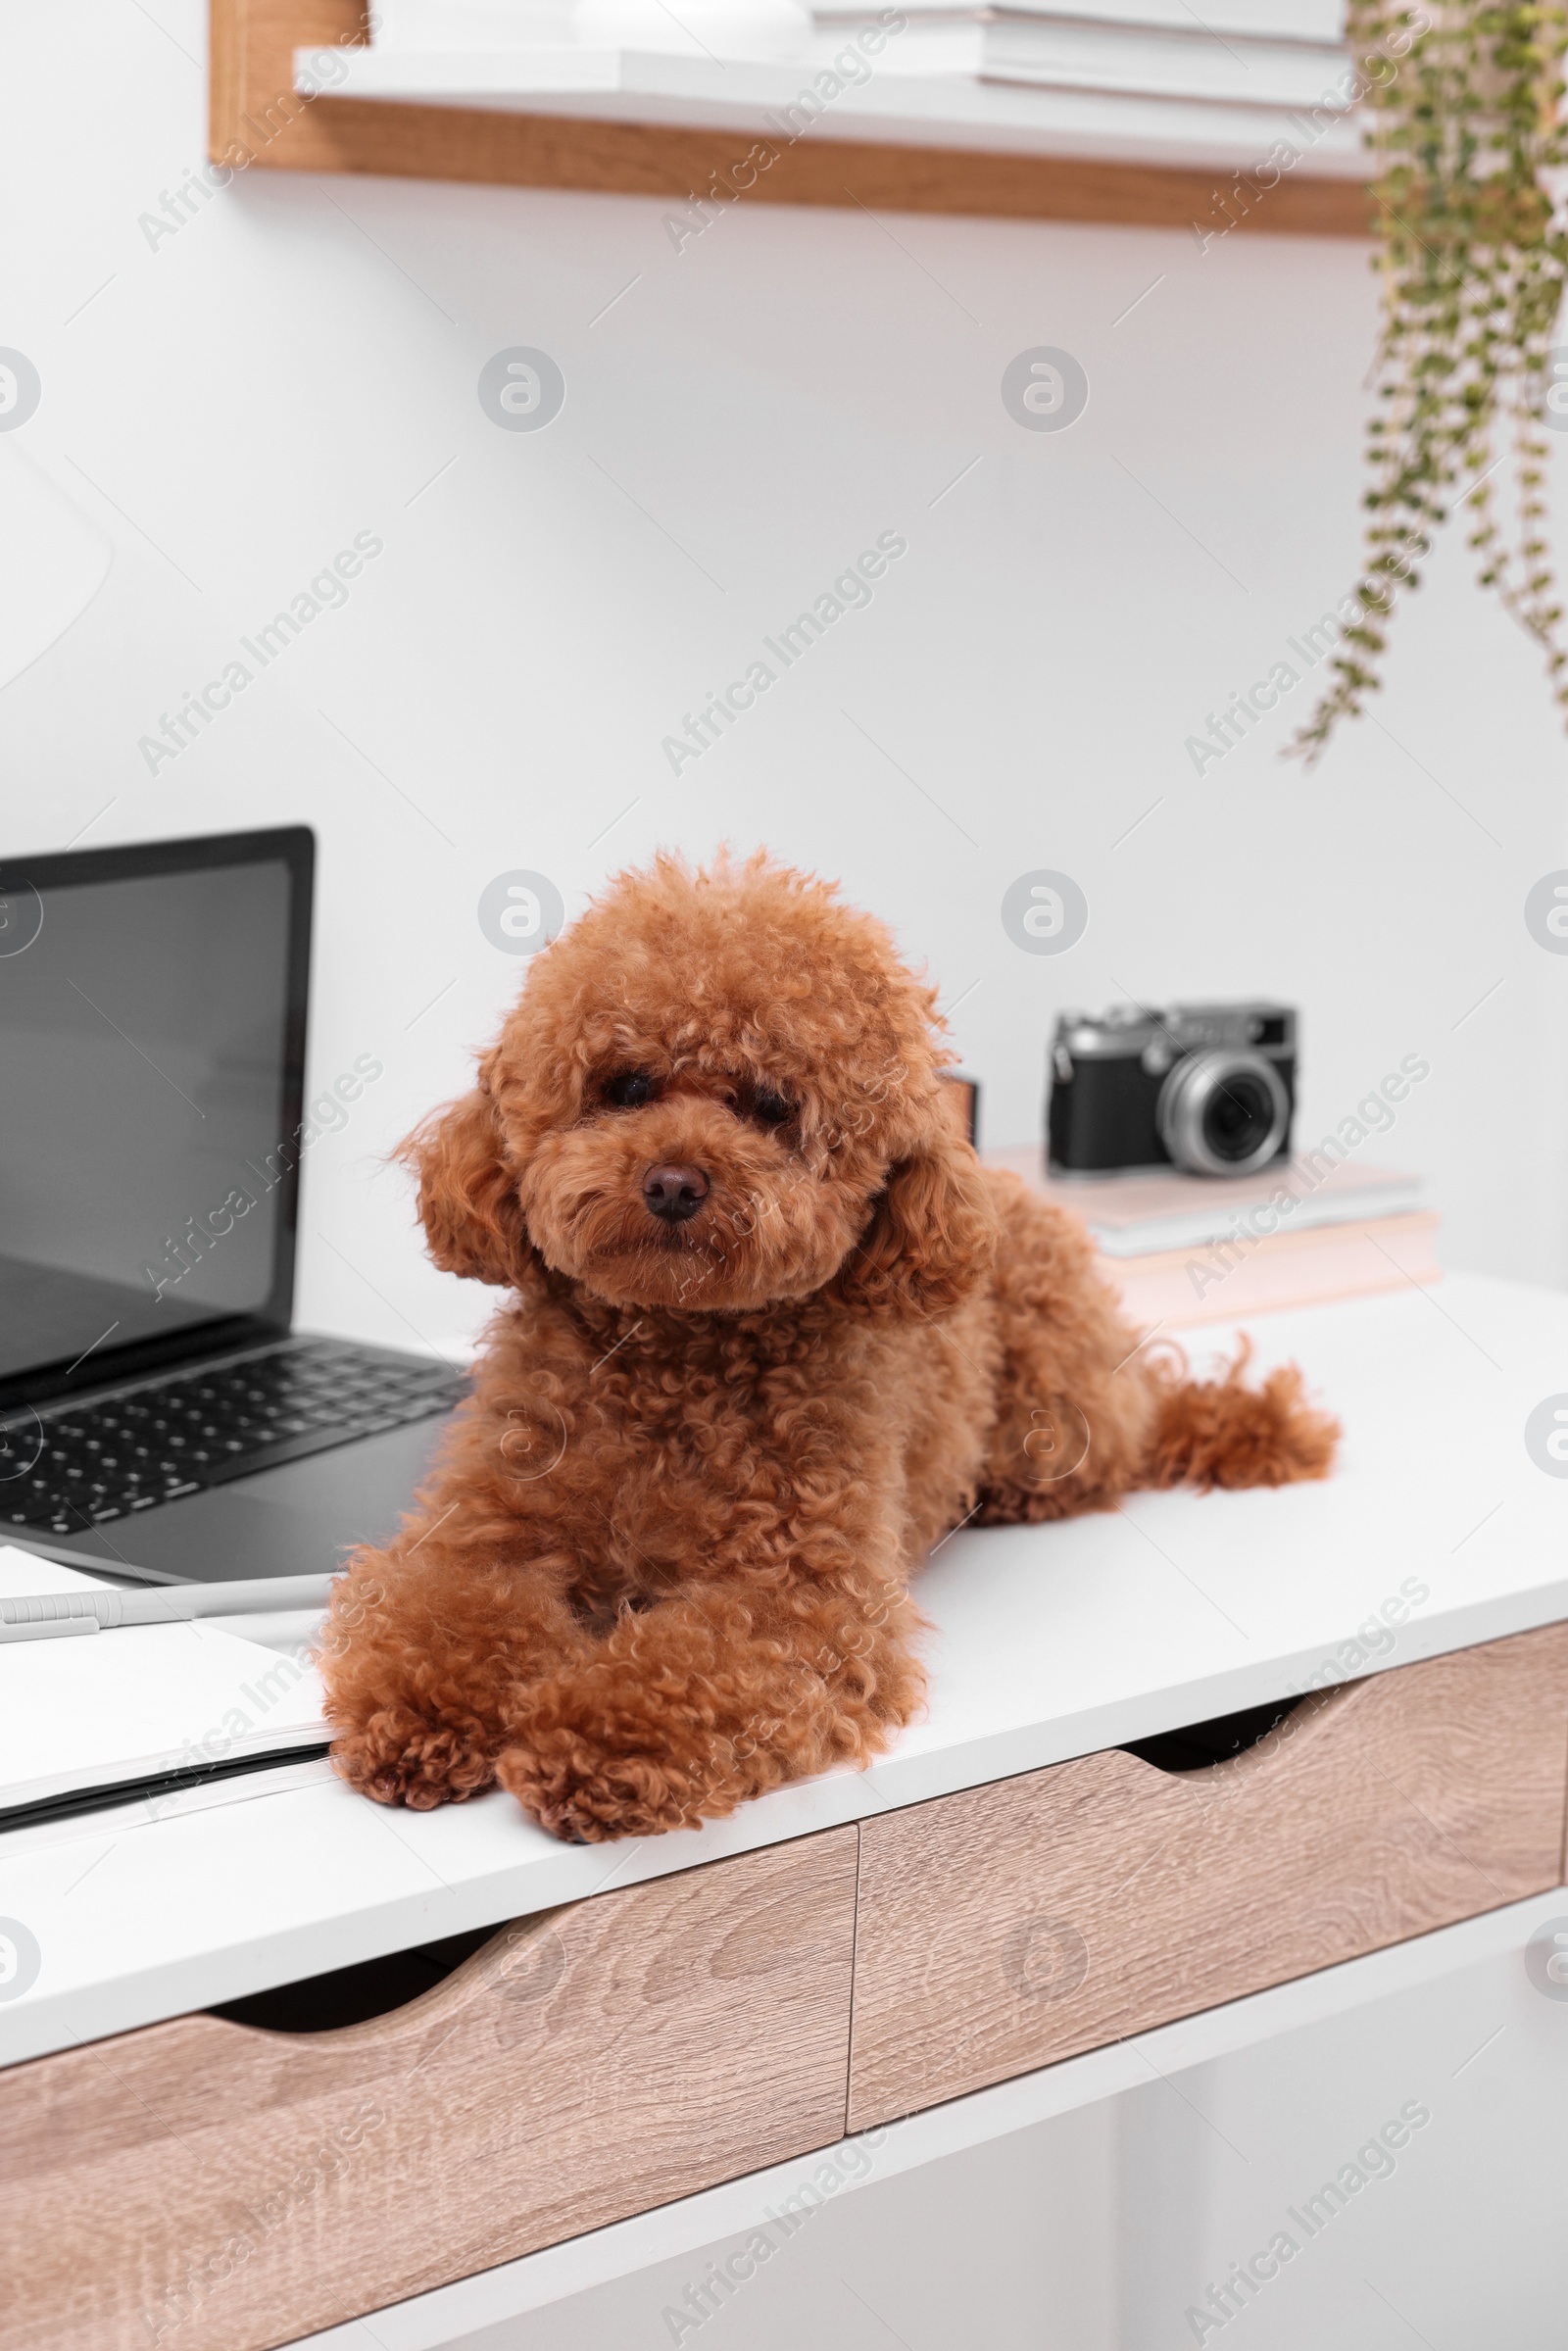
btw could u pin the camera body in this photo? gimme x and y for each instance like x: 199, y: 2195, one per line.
x: 1209, y: 1088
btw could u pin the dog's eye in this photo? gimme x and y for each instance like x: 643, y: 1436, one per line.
x: 630, y: 1090
x: 770, y: 1108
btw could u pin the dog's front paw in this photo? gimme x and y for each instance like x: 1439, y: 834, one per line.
x: 587, y: 1796
x: 402, y: 1757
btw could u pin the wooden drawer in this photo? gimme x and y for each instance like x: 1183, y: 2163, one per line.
x: 1018, y: 1923
x: 212, y: 2187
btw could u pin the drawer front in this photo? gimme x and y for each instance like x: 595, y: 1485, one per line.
x: 206, y: 2186
x: 1019, y: 1923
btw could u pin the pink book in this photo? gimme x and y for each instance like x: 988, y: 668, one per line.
x: 1223, y: 1281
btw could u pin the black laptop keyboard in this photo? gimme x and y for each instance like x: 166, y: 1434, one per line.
x: 173, y: 1437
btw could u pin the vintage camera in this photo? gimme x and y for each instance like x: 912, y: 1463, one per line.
x: 1210, y: 1088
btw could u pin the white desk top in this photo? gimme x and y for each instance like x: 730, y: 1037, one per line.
x: 1052, y: 1641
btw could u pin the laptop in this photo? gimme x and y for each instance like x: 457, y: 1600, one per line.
x: 159, y: 1416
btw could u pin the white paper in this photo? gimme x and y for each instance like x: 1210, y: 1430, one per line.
x: 95, y: 1709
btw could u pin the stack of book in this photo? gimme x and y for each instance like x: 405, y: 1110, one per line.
x: 1248, y: 89
x: 1142, y: 46
x: 1185, y: 1249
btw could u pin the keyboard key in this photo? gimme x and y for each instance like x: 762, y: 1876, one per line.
x: 175, y: 1436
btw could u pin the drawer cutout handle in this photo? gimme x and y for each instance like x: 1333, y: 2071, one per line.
x: 1200, y: 1746
x: 353, y: 1995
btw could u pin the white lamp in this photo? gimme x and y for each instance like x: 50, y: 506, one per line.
x: 416, y: 26
x: 742, y: 29
x: 723, y: 28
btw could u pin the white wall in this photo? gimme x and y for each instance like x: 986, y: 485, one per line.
x: 301, y: 359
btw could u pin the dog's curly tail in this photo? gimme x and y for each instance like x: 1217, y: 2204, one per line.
x: 1209, y: 1433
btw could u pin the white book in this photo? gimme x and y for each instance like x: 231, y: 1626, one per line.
x: 1164, y: 61
x: 1321, y: 22
x: 112, y: 1710
x: 1145, y: 1210
x: 1059, y: 53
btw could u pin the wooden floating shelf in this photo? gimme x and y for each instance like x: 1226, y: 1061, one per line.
x: 296, y: 86
x: 947, y: 111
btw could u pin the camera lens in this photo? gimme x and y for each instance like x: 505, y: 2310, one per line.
x: 1222, y: 1113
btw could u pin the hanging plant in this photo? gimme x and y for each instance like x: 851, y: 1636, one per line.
x: 1464, y: 128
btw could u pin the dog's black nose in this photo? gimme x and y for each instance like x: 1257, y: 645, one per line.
x: 673, y: 1194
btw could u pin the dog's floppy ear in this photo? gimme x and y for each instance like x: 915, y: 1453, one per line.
x: 931, y: 1237
x: 468, y: 1194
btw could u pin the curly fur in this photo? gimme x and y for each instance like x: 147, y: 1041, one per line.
x: 664, y: 1562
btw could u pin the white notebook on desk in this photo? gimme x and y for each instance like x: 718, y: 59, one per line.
x: 144, y: 1707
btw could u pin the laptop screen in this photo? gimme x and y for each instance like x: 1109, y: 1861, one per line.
x: 151, y: 1023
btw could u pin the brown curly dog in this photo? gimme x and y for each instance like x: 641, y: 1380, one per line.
x: 772, y: 1330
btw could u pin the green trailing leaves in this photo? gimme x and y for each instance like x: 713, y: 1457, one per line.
x: 1464, y: 128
